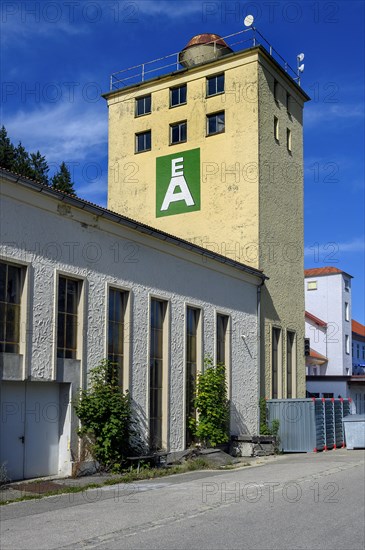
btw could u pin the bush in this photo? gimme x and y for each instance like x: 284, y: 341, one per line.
x: 106, y: 417
x: 212, y: 427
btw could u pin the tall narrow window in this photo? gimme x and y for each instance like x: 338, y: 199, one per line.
x: 68, y: 302
x: 157, y: 317
x: 288, y: 139
x: 276, y: 90
x: 358, y: 351
x: 221, y: 339
x: 347, y: 343
x: 11, y: 282
x: 192, y: 320
x: 347, y: 312
x: 275, y: 361
x: 290, y: 362
x: 276, y: 128
x: 116, y: 328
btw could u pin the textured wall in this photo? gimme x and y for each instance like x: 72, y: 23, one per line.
x: 281, y: 223
x: 53, y: 238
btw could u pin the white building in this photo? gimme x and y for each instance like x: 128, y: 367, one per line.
x: 71, y: 271
x: 329, y: 327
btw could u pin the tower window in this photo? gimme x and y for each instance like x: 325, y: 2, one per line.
x: 178, y: 95
x: 215, y: 84
x: 215, y: 123
x: 143, y: 141
x: 312, y: 285
x: 143, y: 105
x: 276, y: 128
x: 276, y: 90
x: 288, y: 139
x: 178, y: 132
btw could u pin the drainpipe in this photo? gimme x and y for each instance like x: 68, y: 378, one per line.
x: 259, y: 348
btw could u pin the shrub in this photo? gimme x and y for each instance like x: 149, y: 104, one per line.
x: 106, y: 417
x: 212, y: 427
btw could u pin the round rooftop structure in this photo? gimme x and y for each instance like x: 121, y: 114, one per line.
x: 203, y: 48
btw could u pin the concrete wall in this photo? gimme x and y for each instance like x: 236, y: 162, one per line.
x: 50, y: 238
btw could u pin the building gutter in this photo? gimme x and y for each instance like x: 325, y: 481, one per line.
x: 259, y: 348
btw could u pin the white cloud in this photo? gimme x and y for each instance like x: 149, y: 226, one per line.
x: 331, y: 113
x: 170, y: 9
x: 62, y: 132
x: 335, y: 248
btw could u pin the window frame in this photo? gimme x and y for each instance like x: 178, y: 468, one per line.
x: 76, y: 351
x: 276, y: 129
x: 164, y: 373
x: 309, y: 287
x: 347, y: 344
x: 143, y: 98
x: 21, y: 308
x: 276, y: 372
x: 289, y: 140
x: 137, y: 135
x: 212, y: 78
x: 178, y: 125
x: 347, y: 311
x: 198, y: 363
x: 124, y: 374
x: 175, y: 88
x: 209, y: 117
x: 290, y: 373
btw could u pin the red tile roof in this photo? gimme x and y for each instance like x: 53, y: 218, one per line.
x: 317, y: 355
x: 317, y: 320
x: 358, y: 328
x: 319, y: 271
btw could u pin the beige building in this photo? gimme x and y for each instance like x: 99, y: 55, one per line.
x: 213, y: 153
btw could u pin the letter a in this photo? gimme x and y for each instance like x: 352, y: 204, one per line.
x: 177, y: 180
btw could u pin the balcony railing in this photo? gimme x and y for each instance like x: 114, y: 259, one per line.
x: 238, y: 41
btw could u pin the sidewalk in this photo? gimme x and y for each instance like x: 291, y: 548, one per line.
x: 40, y: 487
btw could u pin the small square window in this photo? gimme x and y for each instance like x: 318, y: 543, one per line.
x: 178, y: 132
x: 178, y: 95
x: 143, y: 141
x: 288, y: 139
x: 276, y: 128
x: 347, y: 284
x: 143, y: 105
x: 312, y: 285
x: 215, y: 123
x: 215, y: 84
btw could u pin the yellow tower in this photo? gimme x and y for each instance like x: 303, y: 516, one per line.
x: 213, y: 153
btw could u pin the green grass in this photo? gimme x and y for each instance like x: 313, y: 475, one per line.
x: 127, y: 477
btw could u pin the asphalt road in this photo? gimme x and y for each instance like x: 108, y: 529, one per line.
x: 308, y: 501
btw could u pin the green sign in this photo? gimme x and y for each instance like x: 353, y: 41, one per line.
x: 178, y: 183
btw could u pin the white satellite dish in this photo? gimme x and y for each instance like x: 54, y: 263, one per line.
x: 300, y: 57
x: 249, y: 19
x: 301, y: 68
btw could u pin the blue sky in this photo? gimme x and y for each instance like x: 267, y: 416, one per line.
x: 57, y: 57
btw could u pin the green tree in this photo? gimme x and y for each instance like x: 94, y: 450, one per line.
x: 39, y: 167
x: 212, y: 405
x: 22, y: 164
x: 7, y: 150
x: 106, y: 416
x: 62, y: 180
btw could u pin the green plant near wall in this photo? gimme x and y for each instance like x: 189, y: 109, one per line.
x: 265, y: 429
x: 106, y: 416
x: 212, y: 426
